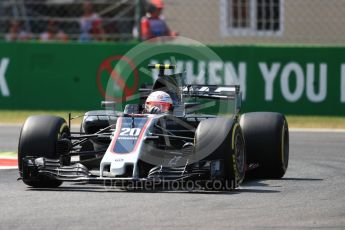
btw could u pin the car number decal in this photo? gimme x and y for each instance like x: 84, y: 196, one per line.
x: 130, y: 132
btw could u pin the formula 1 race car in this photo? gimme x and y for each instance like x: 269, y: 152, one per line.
x: 148, y: 146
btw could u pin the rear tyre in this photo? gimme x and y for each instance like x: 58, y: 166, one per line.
x: 38, y: 138
x: 231, y: 148
x: 267, y: 143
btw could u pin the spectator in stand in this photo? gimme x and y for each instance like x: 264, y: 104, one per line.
x: 90, y: 24
x: 97, y: 31
x: 52, y: 33
x: 16, y: 33
x: 153, y: 24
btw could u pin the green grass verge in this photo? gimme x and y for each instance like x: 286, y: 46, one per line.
x: 330, y: 122
x: 8, y: 154
x: 19, y: 116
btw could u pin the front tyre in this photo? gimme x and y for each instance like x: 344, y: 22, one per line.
x: 38, y: 138
x: 230, y: 148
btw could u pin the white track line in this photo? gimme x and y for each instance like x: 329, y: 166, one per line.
x: 8, y: 167
x: 316, y: 130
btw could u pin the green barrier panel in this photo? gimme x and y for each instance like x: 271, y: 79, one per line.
x: 292, y: 80
x: 52, y: 76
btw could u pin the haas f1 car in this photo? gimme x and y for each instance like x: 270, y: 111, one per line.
x: 184, y: 143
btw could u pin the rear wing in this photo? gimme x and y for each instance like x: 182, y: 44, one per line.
x: 227, y: 92
x: 215, y: 92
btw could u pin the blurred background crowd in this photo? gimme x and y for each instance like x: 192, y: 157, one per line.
x: 208, y: 21
x: 84, y: 21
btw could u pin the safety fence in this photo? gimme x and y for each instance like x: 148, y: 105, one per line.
x: 208, y: 21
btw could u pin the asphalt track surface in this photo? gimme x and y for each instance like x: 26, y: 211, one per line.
x: 310, y: 196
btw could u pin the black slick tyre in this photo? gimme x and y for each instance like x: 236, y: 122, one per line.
x: 38, y: 138
x: 267, y: 143
x: 230, y: 148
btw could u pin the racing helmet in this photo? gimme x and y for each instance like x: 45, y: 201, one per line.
x: 158, y: 102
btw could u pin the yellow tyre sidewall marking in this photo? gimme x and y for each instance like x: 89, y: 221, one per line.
x: 61, y: 129
x: 282, y: 147
x: 234, y: 165
x: 233, y: 136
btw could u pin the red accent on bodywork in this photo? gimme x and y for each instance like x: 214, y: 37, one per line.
x: 118, y: 132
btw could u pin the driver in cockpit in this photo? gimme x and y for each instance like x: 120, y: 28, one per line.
x: 158, y: 102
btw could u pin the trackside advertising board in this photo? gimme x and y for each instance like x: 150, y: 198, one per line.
x: 71, y: 76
